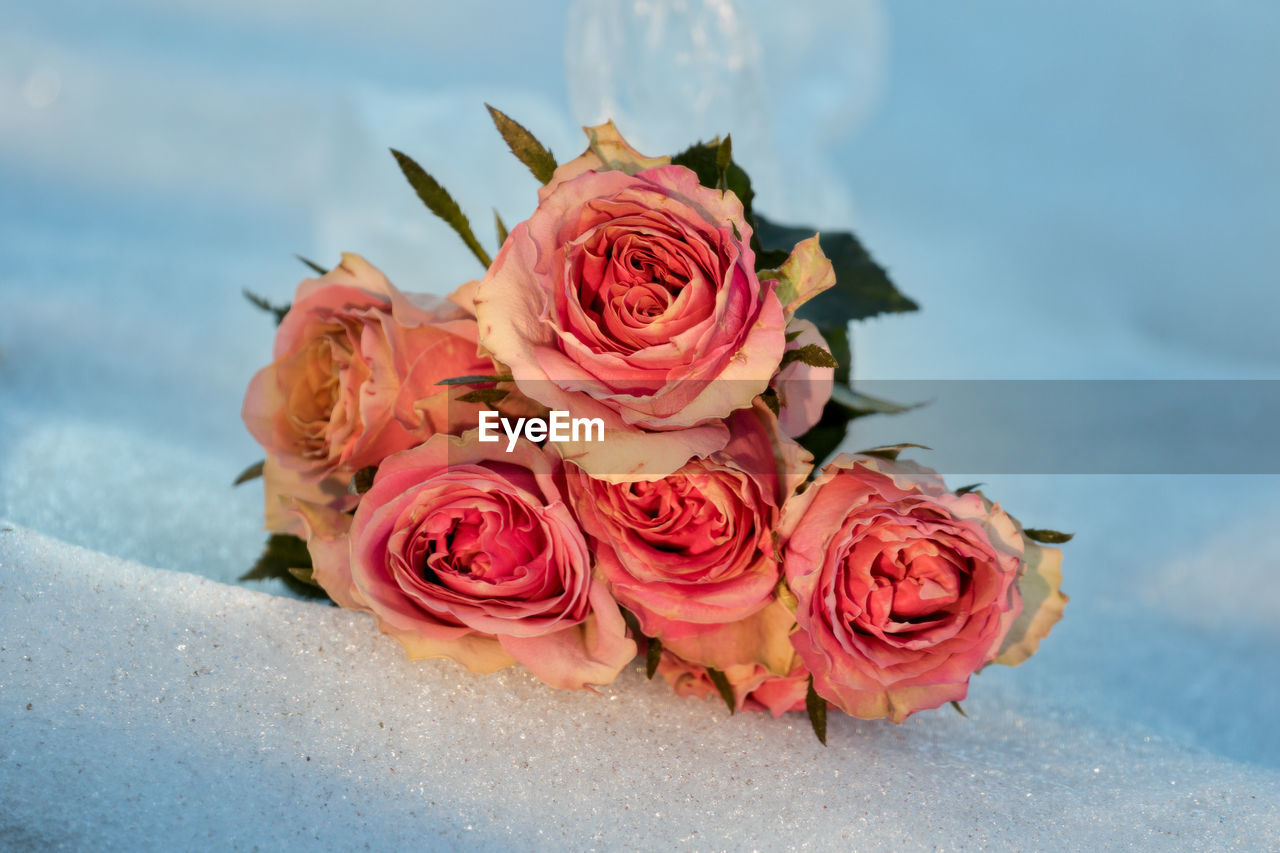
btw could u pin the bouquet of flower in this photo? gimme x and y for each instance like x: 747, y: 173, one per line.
x: 605, y: 446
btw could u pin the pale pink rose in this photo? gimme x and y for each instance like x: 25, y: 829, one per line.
x: 695, y: 549
x: 463, y: 550
x: 354, y: 380
x: 634, y: 299
x: 902, y: 588
x: 754, y: 687
x: 805, y: 273
x: 803, y: 390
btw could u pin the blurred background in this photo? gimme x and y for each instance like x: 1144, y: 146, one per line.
x: 1071, y: 190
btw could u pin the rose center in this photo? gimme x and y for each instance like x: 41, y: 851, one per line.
x: 910, y: 584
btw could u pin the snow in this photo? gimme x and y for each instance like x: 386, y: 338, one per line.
x: 147, y: 709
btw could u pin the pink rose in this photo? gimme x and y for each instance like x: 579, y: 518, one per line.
x: 902, y: 589
x: 754, y: 687
x: 463, y: 550
x: 634, y: 298
x: 695, y: 549
x: 354, y: 380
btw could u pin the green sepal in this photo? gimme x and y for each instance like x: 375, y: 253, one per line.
x: 632, y: 623
x: 319, y: 270
x: 972, y: 487
x: 816, y: 707
x: 261, y: 302
x: 959, y: 710
x: 721, y: 681
x: 770, y: 398
x: 524, y: 145
x: 439, y: 202
x: 253, y: 472
x: 500, y: 227
x: 724, y: 159
x: 652, y: 657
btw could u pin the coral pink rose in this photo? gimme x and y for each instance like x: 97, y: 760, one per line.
x: 754, y: 687
x: 354, y: 380
x: 695, y: 549
x: 463, y: 550
x: 902, y: 589
x: 634, y: 299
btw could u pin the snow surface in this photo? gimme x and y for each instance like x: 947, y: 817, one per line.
x: 149, y: 709
x: 1071, y: 190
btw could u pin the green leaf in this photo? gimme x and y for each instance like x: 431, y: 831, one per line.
x: 284, y: 555
x: 652, y: 656
x: 890, y: 451
x: 725, y: 690
x: 261, y: 302
x: 860, y: 404
x: 473, y: 380
x: 959, y: 710
x: 439, y: 202
x: 863, y: 288
x: 362, y: 480
x: 318, y: 269
x: 810, y: 354
x: 704, y: 160
x: 488, y: 396
x: 500, y: 227
x: 251, y: 473
x: 844, y: 406
x: 522, y: 143
x: 972, y: 487
x: 817, y: 708
x: 1048, y: 537
x: 791, y: 336
x: 828, y: 433
x: 837, y: 337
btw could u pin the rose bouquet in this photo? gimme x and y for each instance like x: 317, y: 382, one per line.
x: 605, y: 446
